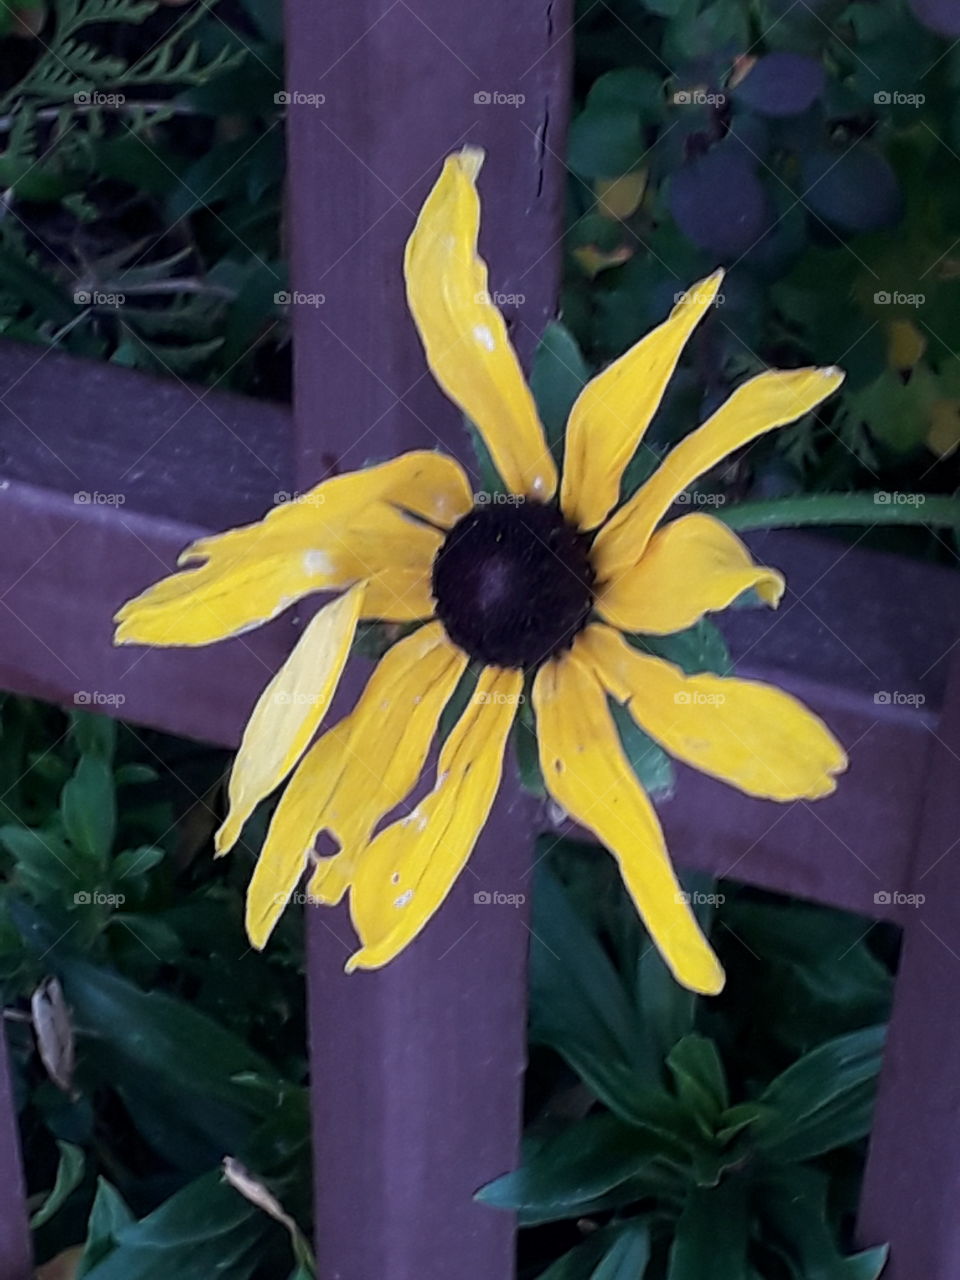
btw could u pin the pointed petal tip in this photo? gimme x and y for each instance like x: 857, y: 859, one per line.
x: 704, y: 975
x: 470, y: 159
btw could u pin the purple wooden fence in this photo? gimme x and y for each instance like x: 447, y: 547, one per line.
x: 417, y: 1070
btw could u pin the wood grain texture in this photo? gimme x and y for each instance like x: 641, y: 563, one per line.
x: 417, y: 1070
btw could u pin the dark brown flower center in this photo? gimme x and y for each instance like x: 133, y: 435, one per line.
x: 513, y: 582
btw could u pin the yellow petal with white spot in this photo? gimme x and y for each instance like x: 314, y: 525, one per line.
x: 762, y: 404
x: 587, y: 773
x: 407, y: 871
x: 757, y: 738
x: 354, y: 774
x: 348, y: 528
x: 464, y: 335
x: 692, y: 566
x: 289, y: 710
x: 614, y: 410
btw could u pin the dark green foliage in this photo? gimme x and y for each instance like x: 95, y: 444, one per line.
x: 687, y: 1137
x: 141, y: 160
x: 186, y: 1046
x: 812, y: 151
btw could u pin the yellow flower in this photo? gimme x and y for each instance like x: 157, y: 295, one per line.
x: 536, y: 584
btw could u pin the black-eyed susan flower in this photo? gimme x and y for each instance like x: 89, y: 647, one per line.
x: 540, y: 587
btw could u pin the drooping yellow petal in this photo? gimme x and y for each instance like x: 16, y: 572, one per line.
x: 354, y: 774
x: 289, y: 710
x: 763, y: 403
x: 348, y: 528
x: 757, y: 738
x: 614, y: 410
x: 692, y: 566
x: 587, y: 773
x: 463, y: 333
x: 406, y: 872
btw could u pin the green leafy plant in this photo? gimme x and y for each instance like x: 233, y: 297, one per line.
x: 141, y: 156
x: 678, y: 1137
x: 140, y: 1061
x: 799, y: 147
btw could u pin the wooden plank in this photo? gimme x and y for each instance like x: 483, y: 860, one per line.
x: 16, y: 1256
x: 416, y: 1070
x: 160, y: 463
x: 913, y: 1169
x: 873, y: 663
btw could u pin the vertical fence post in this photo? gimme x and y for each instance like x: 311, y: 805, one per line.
x: 910, y: 1194
x: 417, y: 1069
x: 15, y: 1250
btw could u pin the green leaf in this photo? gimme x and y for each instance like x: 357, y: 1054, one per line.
x: 44, y: 863
x: 94, y: 735
x: 579, y: 1007
x: 700, y: 1080
x: 562, y: 1174
x: 605, y: 142
x: 713, y: 1233
x: 698, y: 648
x: 204, y: 1230
x: 824, y: 1100
x: 88, y: 809
x: 651, y: 764
x: 558, y: 376
x: 628, y: 1256
x: 136, y: 862
x: 107, y: 1218
x: 794, y: 1207
x: 134, y: 773
x: 883, y: 507
x: 178, y: 1074
x: 527, y: 751
x: 69, y: 1176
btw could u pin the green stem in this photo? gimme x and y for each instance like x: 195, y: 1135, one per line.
x: 844, y: 508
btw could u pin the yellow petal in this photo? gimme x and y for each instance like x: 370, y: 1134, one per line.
x: 692, y: 566
x: 614, y: 410
x: 348, y: 528
x: 405, y: 874
x: 587, y: 773
x: 757, y: 738
x: 289, y: 710
x: 464, y: 335
x: 763, y: 403
x: 354, y: 774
